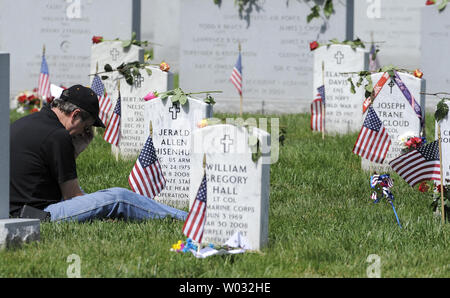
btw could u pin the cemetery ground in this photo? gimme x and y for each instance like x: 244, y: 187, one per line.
x: 322, y: 223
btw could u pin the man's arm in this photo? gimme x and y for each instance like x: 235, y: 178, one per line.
x: 70, y: 189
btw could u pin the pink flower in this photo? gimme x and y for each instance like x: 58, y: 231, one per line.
x: 151, y: 95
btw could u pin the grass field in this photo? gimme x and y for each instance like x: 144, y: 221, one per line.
x: 321, y: 224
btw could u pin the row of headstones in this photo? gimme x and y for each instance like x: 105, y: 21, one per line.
x: 237, y: 187
x: 344, y: 109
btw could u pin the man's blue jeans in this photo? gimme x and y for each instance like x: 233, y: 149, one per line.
x: 114, y: 203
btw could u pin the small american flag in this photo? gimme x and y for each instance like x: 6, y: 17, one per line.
x: 373, y: 62
x: 44, y: 80
x: 317, y: 110
x: 112, y: 131
x: 104, y: 101
x: 373, y: 140
x: 147, y: 178
x: 236, y: 75
x: 419, y: 165
x: 195, y: 221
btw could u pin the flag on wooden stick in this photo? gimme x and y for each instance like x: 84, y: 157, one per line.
x: 44, y: 79
x: 317, y: 110
x: 112, y: 132
x: 373, y: 140
x: 147, y: 177
x: 236, y: 75
x: 195, y: 221
x: 104, y: 101
x: 419, y: 165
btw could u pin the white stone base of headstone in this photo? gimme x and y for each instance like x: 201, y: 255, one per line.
x: 14, y: 232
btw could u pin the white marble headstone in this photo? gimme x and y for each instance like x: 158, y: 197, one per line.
x: 133, y: 127
x: 173, y: 126
x: 435, y: 37
x: 277, y: 63
x: 343, y: 109
x: 114, y: 54
x: 237, y: 187
x: 445, y: 143
x: 396, y: 25
x: 397, y: 115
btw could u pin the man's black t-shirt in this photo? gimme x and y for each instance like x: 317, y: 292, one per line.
x: 42, y: 157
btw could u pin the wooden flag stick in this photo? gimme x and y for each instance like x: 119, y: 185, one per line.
x: 42, y: 99
x: 96, y: 68
x: 323, y: 99
x: 240, y: 93
x: 442, y: 174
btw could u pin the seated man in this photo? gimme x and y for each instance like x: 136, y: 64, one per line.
x: 43, y: 149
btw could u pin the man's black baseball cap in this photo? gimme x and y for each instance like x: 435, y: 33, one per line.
x: 84, y: 98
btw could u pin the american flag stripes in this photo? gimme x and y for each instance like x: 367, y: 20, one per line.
x: 112, y: 132
x: 44, y: 80
x: 104, y: 101
x: 195, y: 221
x: 373, y: 140
x: 317, y: 110
x: 236, y: 75
x: 419, y: 165
x: 147, y: 177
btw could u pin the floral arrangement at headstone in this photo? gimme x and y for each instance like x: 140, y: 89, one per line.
x: 28, y: 101
x: 409, y: 141
x: 434, y: 190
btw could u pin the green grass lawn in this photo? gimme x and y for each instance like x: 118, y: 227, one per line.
x: 321, y: 224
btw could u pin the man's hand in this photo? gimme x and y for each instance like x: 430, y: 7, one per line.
x: 70, y: 189
x: 81, y: 141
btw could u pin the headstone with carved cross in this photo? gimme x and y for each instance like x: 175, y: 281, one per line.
x: 343, y: 113
x: 133, y: 127
x: 172, y: 126
x: 397, y: 114
x: 12, y: 231
x: 114, y: 54
x: 238, y: 186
